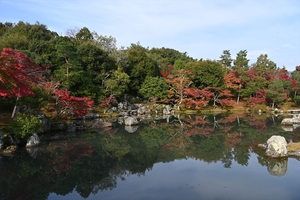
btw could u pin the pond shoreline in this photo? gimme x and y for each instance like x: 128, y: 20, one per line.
x: 140, y: 113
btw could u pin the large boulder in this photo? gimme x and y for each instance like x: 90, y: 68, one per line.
x: 276, y: 147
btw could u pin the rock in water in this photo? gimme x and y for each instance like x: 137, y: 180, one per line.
x: 34, y: 140
x: 130, y: 121
x: 276, y: 147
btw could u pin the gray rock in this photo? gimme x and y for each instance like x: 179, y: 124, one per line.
x: 130, y: 121
x: 90, y: 116
x: 112, y: 110
x: 167, y: 110
x: 9, y: 151
x: 124, y: 113
x: 100, y: 124
x: 296, y: 153
x: 264, y: 146
x: 34, y: 140
x: 293, y: 120
x: 276, y: 147
x: 120, y: 106
x: 142, y: 110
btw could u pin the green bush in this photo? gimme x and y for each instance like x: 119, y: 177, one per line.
x: 297, y: 100
x: 260, y: 107
x: 24, y: 126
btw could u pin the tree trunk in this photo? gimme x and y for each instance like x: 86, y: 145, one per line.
x: 238, y: 99
x: 15, y: 110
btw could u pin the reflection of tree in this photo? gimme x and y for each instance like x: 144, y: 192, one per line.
x: 208, y: 149
x: 21, y: 176
x: 95, y: 161
x: 179, y: 141
x: 67, y: 153
x: 241, y: 155
x: 227, y: 159
x: 198, y: 125
x: 260, y: 124
x: 232, y: 139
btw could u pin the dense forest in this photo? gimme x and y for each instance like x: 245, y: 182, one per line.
x: 83, y: 68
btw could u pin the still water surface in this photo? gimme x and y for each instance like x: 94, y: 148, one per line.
x: 192, y: 157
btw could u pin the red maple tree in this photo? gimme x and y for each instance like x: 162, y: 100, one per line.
x: 108, y: 102
x: 178, y: 82
x: 67, y: 105
x: 17, y: 73
x: 196, y: 98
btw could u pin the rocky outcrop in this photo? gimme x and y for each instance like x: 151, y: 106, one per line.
x: 295, y: 119
x: 89, y: 116
x: 128, y: 109
x: 276, y: 147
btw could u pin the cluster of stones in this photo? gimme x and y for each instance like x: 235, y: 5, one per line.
x: 130, y: 115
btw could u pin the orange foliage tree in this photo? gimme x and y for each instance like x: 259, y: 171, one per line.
x: 178, y: 82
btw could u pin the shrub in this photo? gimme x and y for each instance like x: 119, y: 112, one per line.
x: 262, y: 108
x: 297, y: 100
x: 24, y: 126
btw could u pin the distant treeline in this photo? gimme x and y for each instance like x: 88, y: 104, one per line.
x: 87, y: 64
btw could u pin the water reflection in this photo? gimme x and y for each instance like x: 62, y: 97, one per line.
x: 92, y: 163
x: 276, y: 167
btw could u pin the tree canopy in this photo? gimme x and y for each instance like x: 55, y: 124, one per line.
x: 88, y: 64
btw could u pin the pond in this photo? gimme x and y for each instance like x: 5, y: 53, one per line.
x: 186, y: 157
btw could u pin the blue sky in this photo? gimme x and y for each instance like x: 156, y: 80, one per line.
x: 202, y: 28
